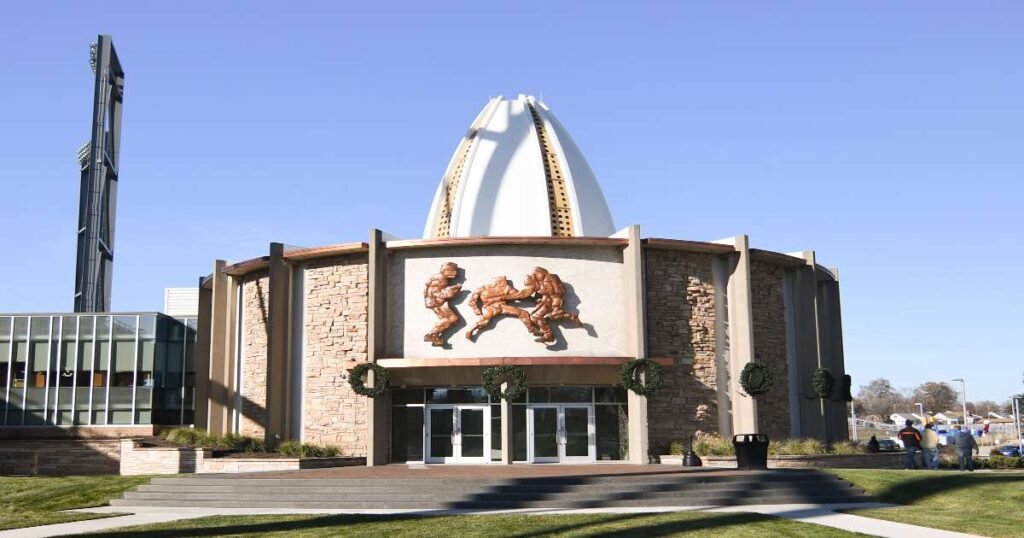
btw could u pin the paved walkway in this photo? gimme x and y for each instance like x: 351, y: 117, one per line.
x: 807, y: 513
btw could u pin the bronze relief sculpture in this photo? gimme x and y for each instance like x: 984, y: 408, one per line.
x: 436, y: 295
x: 541, y: 285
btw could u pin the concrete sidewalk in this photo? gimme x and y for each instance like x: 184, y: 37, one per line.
x: 823, y: 514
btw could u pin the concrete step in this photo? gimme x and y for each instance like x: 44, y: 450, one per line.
x: 428, y: 495
x: 454, y: 487
x: 483, y: 505
x: 222, y: 480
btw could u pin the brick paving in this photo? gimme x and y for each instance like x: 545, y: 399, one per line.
x: 487, y: 471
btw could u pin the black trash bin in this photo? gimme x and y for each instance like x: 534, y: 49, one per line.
x: 751, y: 451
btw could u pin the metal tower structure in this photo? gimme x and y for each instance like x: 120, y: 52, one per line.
x: 98, y: 199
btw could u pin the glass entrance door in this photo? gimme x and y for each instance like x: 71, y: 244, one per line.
x: 561, y: 433
x: 457, y: 434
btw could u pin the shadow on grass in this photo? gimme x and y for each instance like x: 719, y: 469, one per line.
x: 638, y: 527
x: 908, y: 492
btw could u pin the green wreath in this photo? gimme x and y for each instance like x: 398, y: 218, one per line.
x: 380, y: 380
x: 631, y: 376
x: 515, y: 376
x: 757, y: 378
x: 824, y: 383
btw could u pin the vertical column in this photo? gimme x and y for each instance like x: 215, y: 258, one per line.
x: 636, y: 327
x: 221, y: 357
x: 201, y: 399
x: 279, y: 369
x: 741, y: 334
x: 830, y: 336
x: 805, y: 328
x: 506, y: 428
x: 376, y: 408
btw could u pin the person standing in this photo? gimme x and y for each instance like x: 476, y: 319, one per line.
x: 911, y: 443
x: 966, y: 446
x: 930, y: 447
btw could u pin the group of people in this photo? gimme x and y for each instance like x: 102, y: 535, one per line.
x: 928, y: 444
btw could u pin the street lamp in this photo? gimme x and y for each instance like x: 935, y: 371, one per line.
x: 920, y: 407
x: 963, y: 395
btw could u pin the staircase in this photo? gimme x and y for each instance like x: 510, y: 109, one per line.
x: 565, y: 492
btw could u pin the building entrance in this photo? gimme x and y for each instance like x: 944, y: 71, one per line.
x: 458, y: 434
x: 561, y: 433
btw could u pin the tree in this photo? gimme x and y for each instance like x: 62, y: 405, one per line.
x: 984, y: 407
x: 937, y: 396
x: 880, y: 398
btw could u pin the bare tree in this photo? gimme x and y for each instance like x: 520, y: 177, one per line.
x: 880, y: 398
x: 937, y: 396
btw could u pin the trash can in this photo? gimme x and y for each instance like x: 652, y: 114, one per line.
x: 751, y: 451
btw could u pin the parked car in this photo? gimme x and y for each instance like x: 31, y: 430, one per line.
x: 1012, y: 451
x: 888, y: 445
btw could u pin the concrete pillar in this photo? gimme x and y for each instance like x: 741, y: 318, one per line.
x: 830, y: 336
x: 636, y: 327
x: 201, y: 401
x: 807, y: 352
x: 279, y: 369
x: 221, y: 361
x: 506, y: 428
x: 377, y: 409
x: 740, y: 314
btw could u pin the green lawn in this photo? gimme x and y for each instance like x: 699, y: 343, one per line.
x: 28, y: 501
x: 522, y: 526
x: 985, y: 503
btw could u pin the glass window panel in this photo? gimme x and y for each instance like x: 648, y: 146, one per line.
x: 450, y: 395
x: 124, y: 328
x: 5, y: 351
x: 147, y: 327
x: 406, y: 396
x: 545, y: 432
x: 69, y: 327
x: 518, y: 433
x: 612, y: 424
x: 5, y: 328
x: 577, y: 435
x: 40, y: 328
x: 496, y: 433
x: 20, y: 367
x: 85, y: 326
x: 39, y: 362
x: 124, y: 364
x: 102, y: 327
x: 572, y: 394
x: 14, y: 408
x: 407, y: 433
x: 84, y: 365
x: 610, y: 395
x: 20, y: 328
x: 540, y: 394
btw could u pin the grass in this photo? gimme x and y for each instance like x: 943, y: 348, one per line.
x: 985, y: 503
x: 28, y: 501
x: 374, y: 526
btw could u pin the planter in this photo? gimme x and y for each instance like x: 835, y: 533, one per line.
x: 882, y: 460
x: 136, y: 460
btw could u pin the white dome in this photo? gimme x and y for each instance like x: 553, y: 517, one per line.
x: 518, y: 173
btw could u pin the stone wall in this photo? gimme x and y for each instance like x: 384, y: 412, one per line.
x: 882, y: 460
x: 337, y: 299
x: 255, y: 305
x: 766, y: 297
x: 136, y: 460
x: 680, y: 304
x: 59, y: 457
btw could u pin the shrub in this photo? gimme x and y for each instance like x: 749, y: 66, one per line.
x: 295, y: 449
x: 998, y: 461
x: 676, y: 448
x: 796, y: 447
x: 244, y: 443
x: 187, y: 436
x: 845, y: 448
x: 712, y: 445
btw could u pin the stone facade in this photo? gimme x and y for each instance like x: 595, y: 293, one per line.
x: 59, y: 457
x: 136, y: 460
x: 255, y: 300
x: 766, y: 297
x: 680, y: 304
x: 337, y: 299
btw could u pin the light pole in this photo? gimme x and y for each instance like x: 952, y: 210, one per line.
x: 963, y: 396
x: 920, y: 407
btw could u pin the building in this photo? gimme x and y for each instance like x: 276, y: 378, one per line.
x: 84, y: 370
x: 519, y: 265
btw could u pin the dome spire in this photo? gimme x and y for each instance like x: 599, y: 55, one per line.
x: 517, y: 172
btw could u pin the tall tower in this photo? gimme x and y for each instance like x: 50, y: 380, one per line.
x: 98, y: 199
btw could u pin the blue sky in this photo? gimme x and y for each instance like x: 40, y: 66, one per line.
x: 887, y: 136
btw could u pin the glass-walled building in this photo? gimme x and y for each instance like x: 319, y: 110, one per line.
x: 96, y: 369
